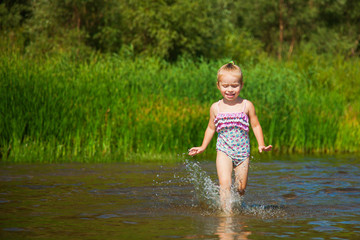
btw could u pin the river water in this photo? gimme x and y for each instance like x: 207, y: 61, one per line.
x: 295, y: 197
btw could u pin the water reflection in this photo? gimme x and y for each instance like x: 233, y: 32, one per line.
x: 230, y: 228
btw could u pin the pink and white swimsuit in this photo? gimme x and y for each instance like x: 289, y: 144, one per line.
x: 233, y: 135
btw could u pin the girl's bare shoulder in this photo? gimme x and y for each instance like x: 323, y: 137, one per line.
x: 214, y: 108
x: 249, y: 103
x: 249, y: 107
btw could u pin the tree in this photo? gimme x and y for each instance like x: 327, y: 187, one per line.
x: 162, y: 28
x: 338, y: 30
x: 172, y: 28
x: 75, y: 26
x: 284, y: 24
x: 13, y: 14
x: 277, y: 23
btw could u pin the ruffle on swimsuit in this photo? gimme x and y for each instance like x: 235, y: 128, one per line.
x: 227, y: 120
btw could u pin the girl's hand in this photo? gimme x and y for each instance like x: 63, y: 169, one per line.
x: 265, y: 148
x: 196, y: 150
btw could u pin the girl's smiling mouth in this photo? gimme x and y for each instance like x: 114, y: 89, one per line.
x: 230, y: 95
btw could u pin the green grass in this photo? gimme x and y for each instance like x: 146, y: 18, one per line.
x: 117, y: 109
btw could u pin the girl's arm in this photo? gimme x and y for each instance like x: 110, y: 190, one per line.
x: 209, y: 133
x: 255, y: 125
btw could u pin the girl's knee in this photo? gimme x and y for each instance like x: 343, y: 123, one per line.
x: 225, y: 182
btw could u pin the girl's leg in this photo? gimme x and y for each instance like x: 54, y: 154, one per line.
x: 224, y: 170
x: 241, y: 176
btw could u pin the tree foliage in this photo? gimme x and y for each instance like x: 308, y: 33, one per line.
x: 282, y: 25
x: 172, y: 28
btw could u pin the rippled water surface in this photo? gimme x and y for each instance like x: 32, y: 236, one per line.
x: 287, y: 197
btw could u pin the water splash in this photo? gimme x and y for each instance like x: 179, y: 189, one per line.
x: 207, y: 192
x: 195, y: 189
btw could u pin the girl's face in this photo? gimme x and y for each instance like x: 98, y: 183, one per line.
x: 229, y: 86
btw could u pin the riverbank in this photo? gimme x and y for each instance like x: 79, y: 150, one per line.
x: 112, y: 107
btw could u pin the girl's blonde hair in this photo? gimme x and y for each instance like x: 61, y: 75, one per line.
x: 230, y: 68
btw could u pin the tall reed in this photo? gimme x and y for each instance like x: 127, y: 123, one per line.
x: 117, y: 109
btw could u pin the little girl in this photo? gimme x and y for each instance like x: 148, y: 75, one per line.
x: 230, y: 118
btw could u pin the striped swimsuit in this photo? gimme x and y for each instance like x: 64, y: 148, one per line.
x: 233, y: 135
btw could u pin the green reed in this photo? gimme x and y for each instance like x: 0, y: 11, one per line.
x: 118, y: 109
